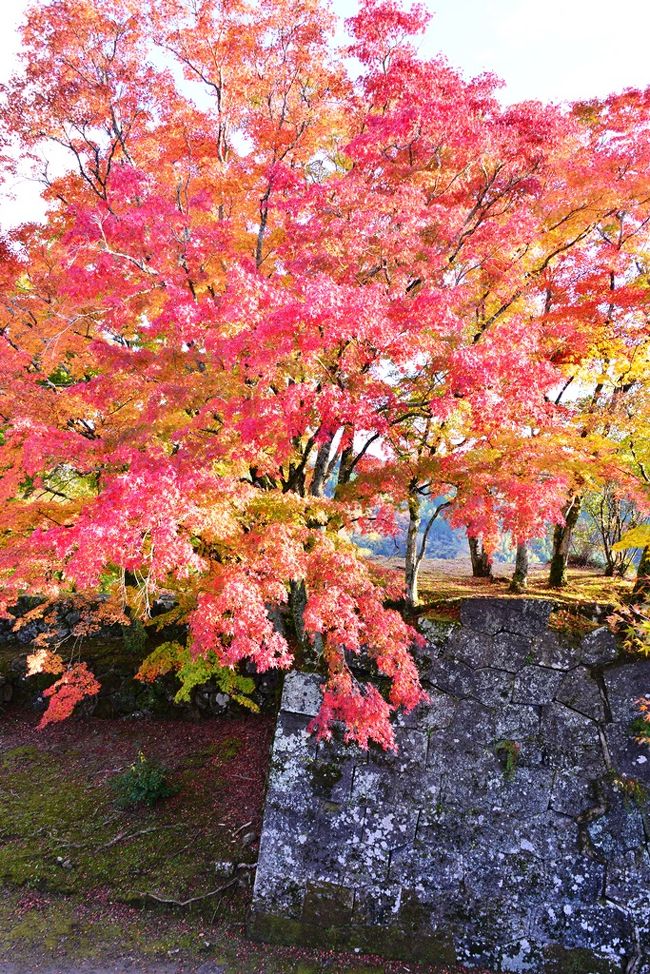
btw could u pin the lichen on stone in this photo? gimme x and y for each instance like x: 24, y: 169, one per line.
x: 499, y: 835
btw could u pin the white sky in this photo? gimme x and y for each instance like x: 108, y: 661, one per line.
x: 553, y: 50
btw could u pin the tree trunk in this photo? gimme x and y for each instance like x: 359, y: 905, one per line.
x: 311, y: 649
x: 319, y: 476
x: 641, y: 590
x: 346, y: 466
x: 562, y: 543
x: 481, y: 562
x: 519, y: 582
x: 297, y: 602
x: 412, y: 562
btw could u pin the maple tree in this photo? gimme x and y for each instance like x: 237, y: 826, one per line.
x: 260, y: 278
x: 602, y: 287
x: 474, y: 221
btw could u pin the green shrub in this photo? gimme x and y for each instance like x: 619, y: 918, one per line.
x: 640, y: 728
x: 508, y: 754
x: 144, y: 783
x: 632, y: 790
x: 134, y: 637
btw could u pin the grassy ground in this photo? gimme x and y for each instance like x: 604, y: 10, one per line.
x: 76, y: 871
x: 443, y: 580
x: 62, y: 830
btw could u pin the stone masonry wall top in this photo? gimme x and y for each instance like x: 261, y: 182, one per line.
x: 509, y: 831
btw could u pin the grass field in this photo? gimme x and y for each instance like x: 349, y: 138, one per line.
x: 446, y: 579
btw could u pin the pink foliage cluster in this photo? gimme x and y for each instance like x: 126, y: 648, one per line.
x: 255, y: 325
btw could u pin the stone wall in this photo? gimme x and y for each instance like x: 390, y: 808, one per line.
x: 511, y: 829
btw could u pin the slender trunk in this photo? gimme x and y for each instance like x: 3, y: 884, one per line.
x: 264, y: 216
x: 562, y: 543
x: 519, y: 582
x: 481, y: 562
x: 415, y: 552
x: 311, y: 649
x: 350, y: 458
x: 346, y: 466
x: 641, y: 590
x: 298, y: 592
x: 319, y: 476
x: 297, y: 602
x: 412, y: 562
x: 610, y: 556
x: 610, y: 559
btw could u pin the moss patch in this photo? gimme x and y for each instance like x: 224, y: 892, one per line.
x: 559, y: 960
x: 73, y: 865
x: 35, y: 926
x: 324, y: 775
x: 62, y: 831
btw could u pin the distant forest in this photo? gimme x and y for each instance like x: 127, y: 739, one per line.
x: 587, y: 548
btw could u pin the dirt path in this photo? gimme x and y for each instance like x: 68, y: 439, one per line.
x: 110, y: 967
x: 131, y: 965
x: 126, y: 966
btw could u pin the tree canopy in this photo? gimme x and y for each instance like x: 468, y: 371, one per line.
x: 284, y: 290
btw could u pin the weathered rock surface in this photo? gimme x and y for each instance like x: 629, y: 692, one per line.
x: 509, y: 831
